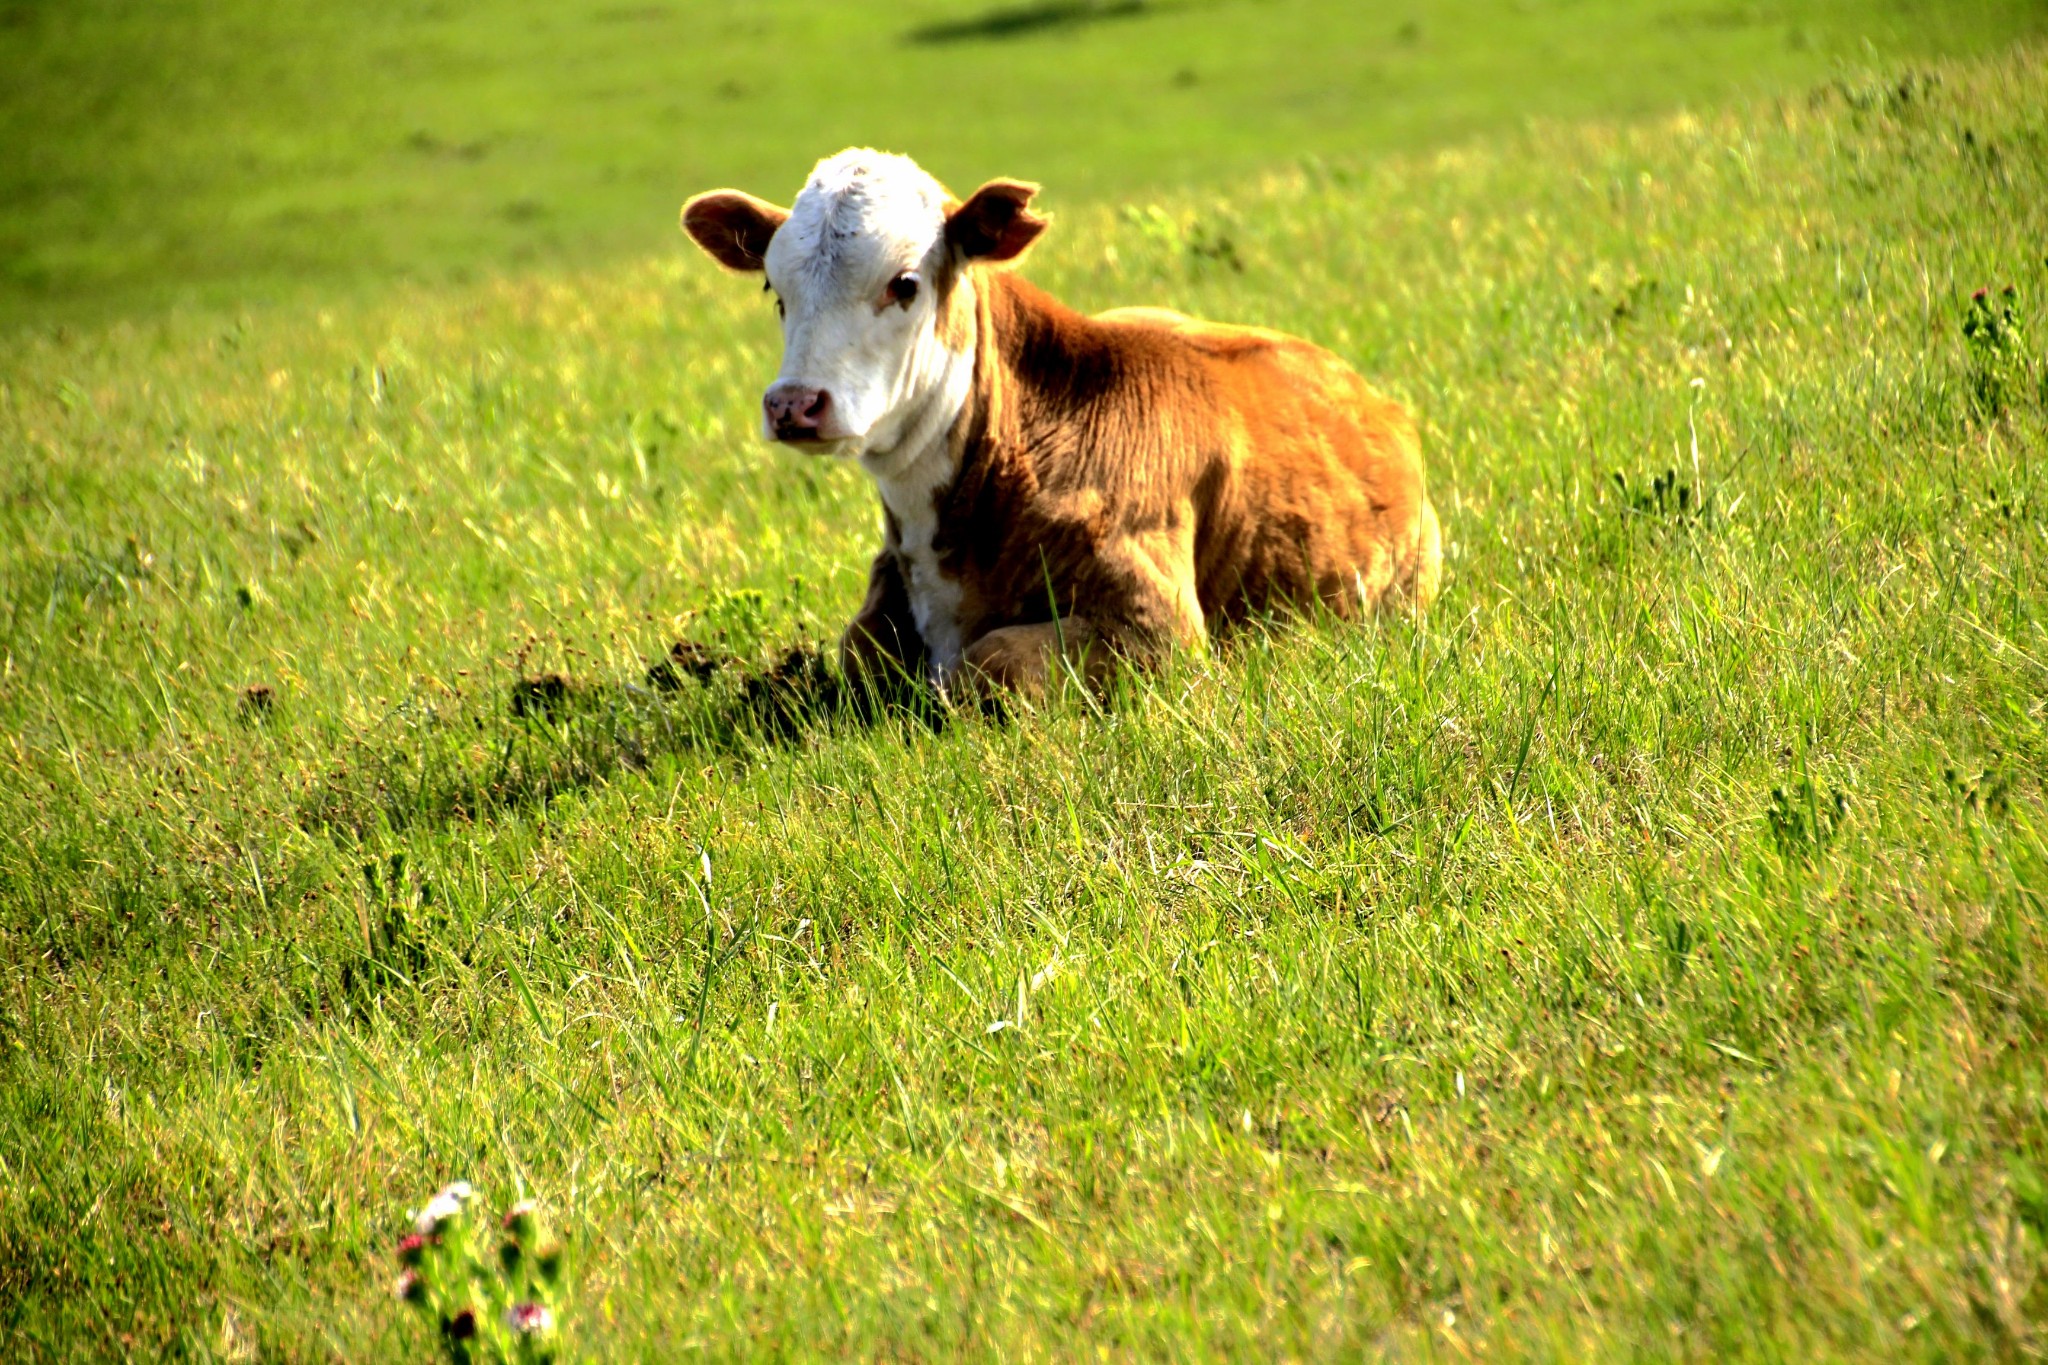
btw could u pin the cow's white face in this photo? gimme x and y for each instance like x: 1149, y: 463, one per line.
x: 864, y: 268
x: 854, y: 272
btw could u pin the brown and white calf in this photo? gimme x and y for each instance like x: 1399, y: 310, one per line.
x: 1097, y: 488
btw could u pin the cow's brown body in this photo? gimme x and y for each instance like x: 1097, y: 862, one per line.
x: 1135, y: 480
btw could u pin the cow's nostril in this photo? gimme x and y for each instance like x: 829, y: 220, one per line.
x: 796, y: 411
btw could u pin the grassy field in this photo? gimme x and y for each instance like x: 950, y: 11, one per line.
x: 1643, y: 957
x: 213, y: 149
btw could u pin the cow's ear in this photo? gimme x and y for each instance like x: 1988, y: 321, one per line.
x: 733, y: 228
x: 994, y: 224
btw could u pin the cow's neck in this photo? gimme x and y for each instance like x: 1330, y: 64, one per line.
x: 912, y: 474
x: 967, y: 417
x: 1035, y: 355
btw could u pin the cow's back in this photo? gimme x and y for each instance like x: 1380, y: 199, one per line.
x: 1314, y: 488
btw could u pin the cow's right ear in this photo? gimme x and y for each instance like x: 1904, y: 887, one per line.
x: 733, y: 228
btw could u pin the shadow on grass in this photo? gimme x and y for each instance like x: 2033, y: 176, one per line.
x: 553, y: 734
x: 1017, y: 21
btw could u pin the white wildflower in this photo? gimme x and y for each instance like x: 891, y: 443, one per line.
x: 443, y: 1206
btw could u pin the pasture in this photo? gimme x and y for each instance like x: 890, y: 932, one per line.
x: 1642, y: 957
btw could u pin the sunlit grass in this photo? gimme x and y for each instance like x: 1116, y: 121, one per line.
x: 1640, y: 957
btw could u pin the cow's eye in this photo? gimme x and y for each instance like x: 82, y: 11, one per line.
x: 903, y: 288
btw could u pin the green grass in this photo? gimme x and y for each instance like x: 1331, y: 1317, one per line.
x: 216, y: 150
x: 1641, y: 958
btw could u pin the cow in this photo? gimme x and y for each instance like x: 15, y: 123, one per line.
x: 1059, y: 491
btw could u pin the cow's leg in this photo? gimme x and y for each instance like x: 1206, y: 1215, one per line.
x: 881, y: 651
x: 1022, y: 659
x: 1140, y: 604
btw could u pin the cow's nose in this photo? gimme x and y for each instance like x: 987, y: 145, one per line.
x: 795, y: 411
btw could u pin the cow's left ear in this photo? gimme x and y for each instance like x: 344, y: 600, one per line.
x: 994, y: 224
x: 733, y: 228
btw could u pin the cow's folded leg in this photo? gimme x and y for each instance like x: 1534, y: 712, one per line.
x: 1025, y: 659
x: 1144, y: 606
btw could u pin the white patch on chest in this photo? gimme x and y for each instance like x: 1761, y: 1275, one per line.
x: 910, y: 473
x: 911, y: 495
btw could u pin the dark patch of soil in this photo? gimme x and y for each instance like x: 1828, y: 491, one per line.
x: 542, y: 696
x: 253, y: 703
x: 685, y: 659
x: 796, y: 689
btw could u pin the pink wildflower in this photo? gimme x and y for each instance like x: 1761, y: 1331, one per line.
x: 529, y: 1319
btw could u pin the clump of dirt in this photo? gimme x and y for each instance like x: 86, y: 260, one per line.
x: 253, y: 702
x: 793, y: 690
x: 685, y: 659
x: 542, y: 696
x: 780, y: 695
